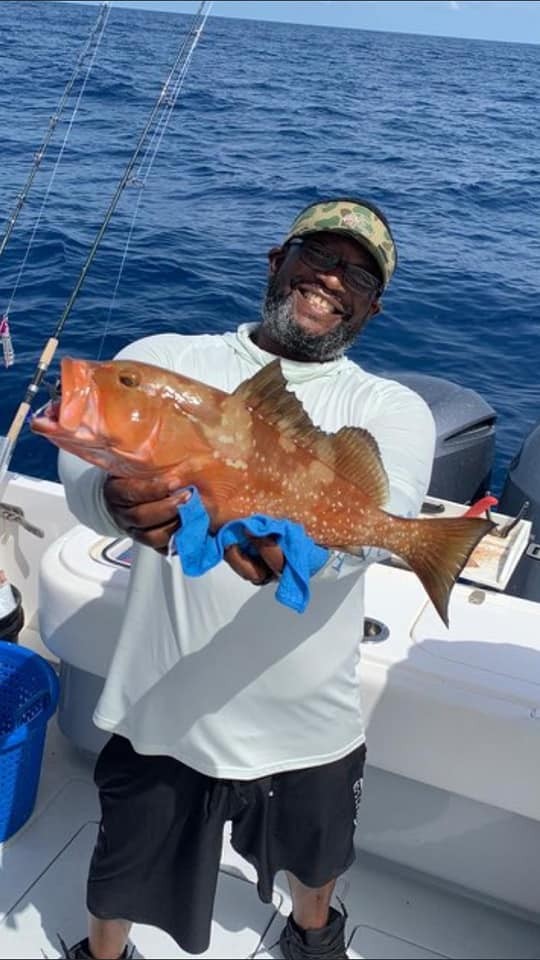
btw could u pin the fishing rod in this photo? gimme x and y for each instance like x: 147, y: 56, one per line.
x: 166, y: 97
x: 53, y: 123
x: 91, y: 48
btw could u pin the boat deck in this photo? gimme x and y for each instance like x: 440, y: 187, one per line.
x: 391, y: 915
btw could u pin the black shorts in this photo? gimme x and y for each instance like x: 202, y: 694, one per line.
x: 158, y: 850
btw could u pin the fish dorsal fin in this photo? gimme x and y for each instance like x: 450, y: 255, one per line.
x: 358, y: 459
x: 352, y: 453
x: 266, y: 395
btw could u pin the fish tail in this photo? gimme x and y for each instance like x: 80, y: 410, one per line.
x: 436, y: 550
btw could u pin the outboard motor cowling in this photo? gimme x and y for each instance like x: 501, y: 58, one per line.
x: 465, y: 447
x: 523, y: 483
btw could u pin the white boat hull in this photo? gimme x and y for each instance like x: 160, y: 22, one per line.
x: 453, y: 782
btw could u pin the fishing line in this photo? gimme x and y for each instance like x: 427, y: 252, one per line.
x: 172, y: 97
x: 103, y: 13
x: 7, y: 443
x: 97, y: 34
x: 140, y: 178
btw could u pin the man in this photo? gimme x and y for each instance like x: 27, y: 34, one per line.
x: 223, y: 704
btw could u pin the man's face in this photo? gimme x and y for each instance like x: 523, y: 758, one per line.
x: 312, y: 312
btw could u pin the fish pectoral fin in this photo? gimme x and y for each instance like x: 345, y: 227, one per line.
x: 352, y: 453
x: 224, y: 491
x: 217, y: 490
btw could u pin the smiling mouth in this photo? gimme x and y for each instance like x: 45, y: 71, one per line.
x: 320, y: 303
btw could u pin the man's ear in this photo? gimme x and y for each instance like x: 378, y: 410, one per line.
x: 376, y: 307
x: 276, y: 256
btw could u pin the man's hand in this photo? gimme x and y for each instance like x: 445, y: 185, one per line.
x: 146, y: 509
x: 148, y: 512
x: 261, y: 569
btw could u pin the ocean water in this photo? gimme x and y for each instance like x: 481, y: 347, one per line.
x: 443, y: 134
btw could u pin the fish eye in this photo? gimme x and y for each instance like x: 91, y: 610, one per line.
x: 129, y: 379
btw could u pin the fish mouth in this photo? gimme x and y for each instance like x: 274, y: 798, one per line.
x: 74, y: 409
x: 46, y: 419
x: 50, y: 412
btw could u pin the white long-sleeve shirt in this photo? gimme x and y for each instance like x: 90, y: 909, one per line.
x: 213, y: 670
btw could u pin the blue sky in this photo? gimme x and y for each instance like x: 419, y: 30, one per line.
x: 481, y: 19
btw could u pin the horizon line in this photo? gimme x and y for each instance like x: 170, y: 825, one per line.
x: 120, y: 4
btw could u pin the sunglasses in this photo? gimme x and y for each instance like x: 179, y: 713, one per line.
x: 319, y: 257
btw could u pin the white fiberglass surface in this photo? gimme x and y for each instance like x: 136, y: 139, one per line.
x: 488, y: 631
x: 390, y: 915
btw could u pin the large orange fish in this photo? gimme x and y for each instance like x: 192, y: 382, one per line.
x: 252, y: 451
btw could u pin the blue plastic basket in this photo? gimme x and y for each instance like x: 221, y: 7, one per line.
x: 29, y: 692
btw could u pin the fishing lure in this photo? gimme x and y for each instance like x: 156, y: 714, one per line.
x: 7, y: 344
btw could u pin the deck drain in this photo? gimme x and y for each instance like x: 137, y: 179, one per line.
x: 374, y: 631
x: 477, y: 597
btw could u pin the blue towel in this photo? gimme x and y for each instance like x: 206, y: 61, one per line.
x: 199, y: 550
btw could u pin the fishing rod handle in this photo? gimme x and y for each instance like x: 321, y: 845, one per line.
x: 43, y: 365
x: 17, y: 423
x: 47, y: 356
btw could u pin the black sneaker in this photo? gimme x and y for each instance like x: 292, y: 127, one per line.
x: 328, y: 943
x: 81, y: 950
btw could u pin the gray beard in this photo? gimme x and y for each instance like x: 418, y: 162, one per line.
x: 278, y: 321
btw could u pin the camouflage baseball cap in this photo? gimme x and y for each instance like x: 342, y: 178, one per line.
x: 358, y: 221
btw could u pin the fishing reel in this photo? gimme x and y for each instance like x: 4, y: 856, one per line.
x: 54, y: 390
x: 54, y: 395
